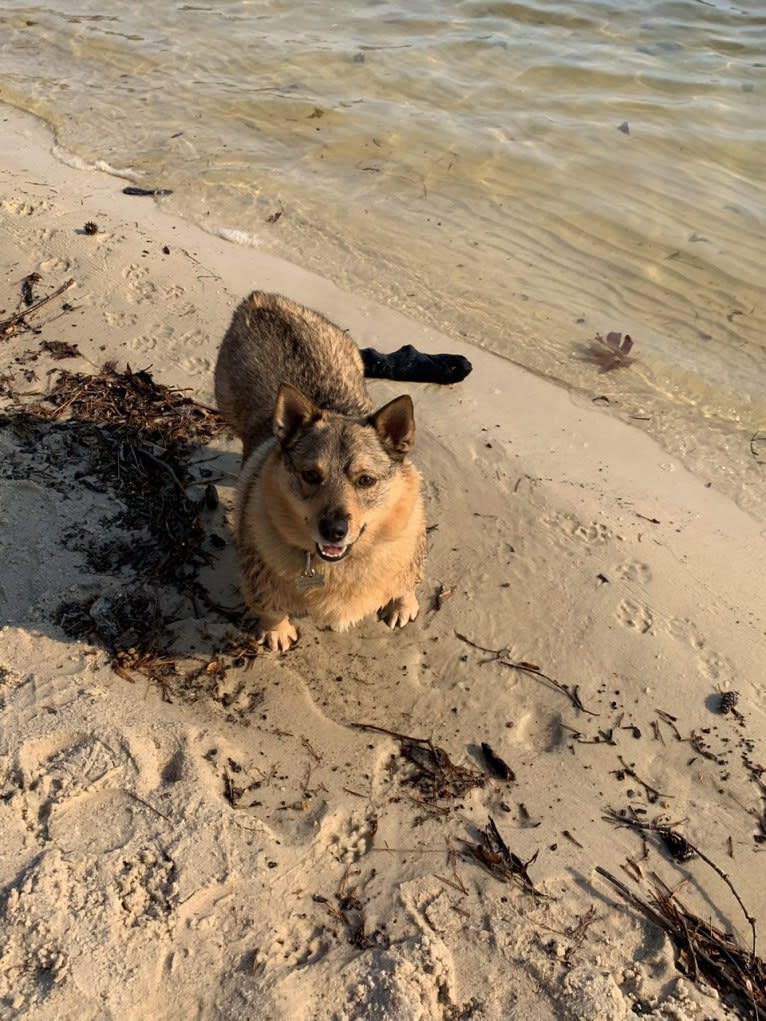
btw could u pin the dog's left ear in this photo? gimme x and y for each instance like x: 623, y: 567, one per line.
x: 293, y: 411
x: 395, y: 425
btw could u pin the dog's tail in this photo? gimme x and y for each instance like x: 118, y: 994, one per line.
x: 408, y: 365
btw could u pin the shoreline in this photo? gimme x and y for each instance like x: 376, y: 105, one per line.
x: 366, y: 319
x: 692, y: 388
x: 569, y: 539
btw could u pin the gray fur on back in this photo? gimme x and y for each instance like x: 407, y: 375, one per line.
x: 273, y: 340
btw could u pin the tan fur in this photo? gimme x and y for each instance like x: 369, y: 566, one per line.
x: 291, y: 385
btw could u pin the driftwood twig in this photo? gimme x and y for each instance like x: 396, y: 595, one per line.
x: 500, y: 656
x: 704, y: 952
x: 7, y: 325
x: 681, y: 850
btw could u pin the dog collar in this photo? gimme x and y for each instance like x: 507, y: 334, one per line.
x: 310, y: 578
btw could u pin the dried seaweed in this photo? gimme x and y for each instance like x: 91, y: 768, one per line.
x: 348, y: 911
x: 436, y: 777
x: 126, y: 621
x: 137, y: 447
x: 497, y: 858
x: 123, y: 435
x: 704, y: 953
x: 682, y: 850
x: 60, y: 349
x: 133, y: 400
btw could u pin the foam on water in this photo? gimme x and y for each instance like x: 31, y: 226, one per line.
x: 71, y: 159
x: 238, y: 237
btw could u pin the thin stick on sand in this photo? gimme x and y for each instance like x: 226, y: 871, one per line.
x: 7, y: 325
x: 499, y: 656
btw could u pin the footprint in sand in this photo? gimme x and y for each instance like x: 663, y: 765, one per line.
x: 196, y: 365
x: 38, y: 948
x: 146, y: 887
x: 70, y: 786
x: 430, y: 906
x: 119, y: 320
x: 634, y: 571
x: 140, y: 287
x: 687, y: 632
x: 44, y: 239
x: 144, y: 344
x: 567, y: 525
x: 55, y: 266
x: 351, y: 838
x: 635, y: 615
x: 594, y: 532
x: 302, y: 944
x: 94, y: 823
x: 23, y: 208
x: 717, y: 669
x: 73, y: 763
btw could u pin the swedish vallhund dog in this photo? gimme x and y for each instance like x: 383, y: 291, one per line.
x: 330, y: 518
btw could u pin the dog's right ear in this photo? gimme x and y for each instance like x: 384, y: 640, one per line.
x: 293, y: 411
x: 395, y: 425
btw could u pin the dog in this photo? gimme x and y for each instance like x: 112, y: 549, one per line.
x: 330, y: 520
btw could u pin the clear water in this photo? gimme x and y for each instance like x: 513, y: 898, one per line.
x: 522, y: 175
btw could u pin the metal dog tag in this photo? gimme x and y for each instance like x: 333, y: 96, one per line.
x: 310, y: 578
x: 304, y: 581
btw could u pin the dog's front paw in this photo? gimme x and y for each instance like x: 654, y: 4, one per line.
x: 400, y: 611
x: 279, y: 636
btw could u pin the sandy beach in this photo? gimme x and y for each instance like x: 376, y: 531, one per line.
x: 201, y: 830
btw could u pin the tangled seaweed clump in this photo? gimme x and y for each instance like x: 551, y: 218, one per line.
x: 133, y: 400
x: 134, y: 438
x: 134, y: 444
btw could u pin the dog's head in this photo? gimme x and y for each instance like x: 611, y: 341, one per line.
x: 340, y: 475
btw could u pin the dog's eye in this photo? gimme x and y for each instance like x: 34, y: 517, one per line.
x: 311, y: 477
x: 366, y: 481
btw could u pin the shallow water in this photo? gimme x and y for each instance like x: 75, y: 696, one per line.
x: 524, y: 175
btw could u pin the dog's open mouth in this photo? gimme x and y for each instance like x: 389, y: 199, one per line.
x: 333, y: 553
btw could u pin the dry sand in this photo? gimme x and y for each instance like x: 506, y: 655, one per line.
x: 334, y: 887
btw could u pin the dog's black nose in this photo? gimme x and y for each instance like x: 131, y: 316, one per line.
x: 333, y: 526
